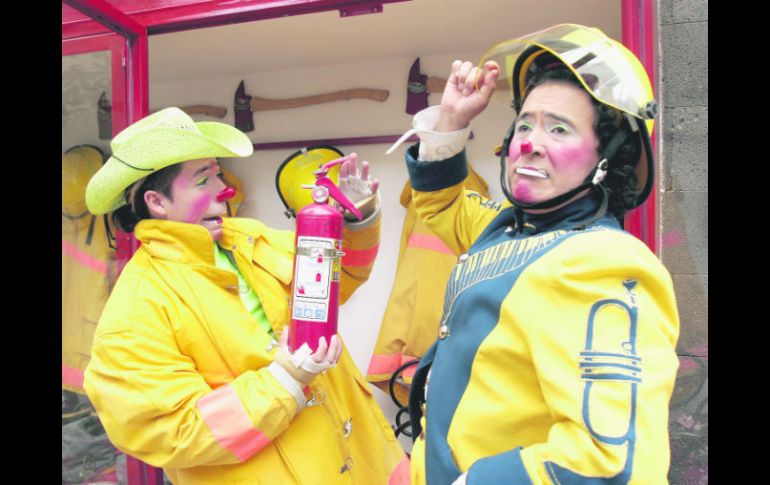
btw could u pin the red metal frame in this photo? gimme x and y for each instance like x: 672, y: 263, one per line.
x: 116, y: 44
x: 639, y: 34
x: 164, y: 16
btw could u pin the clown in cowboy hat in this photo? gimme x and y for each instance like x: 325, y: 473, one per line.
x: 187, y: 369
x: 555, y: 355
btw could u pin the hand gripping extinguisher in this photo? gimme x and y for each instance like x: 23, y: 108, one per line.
x: 318, y: 240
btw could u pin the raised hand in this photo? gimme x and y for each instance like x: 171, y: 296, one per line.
x: 467, y: 93
x: 357, y: 186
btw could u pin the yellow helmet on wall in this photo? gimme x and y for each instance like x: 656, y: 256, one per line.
x: 78, y: 165
x: 298, y: 170
x: 607, y: 70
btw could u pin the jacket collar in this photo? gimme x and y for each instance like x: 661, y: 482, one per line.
x: 565, y: 217
x: 185, y: 243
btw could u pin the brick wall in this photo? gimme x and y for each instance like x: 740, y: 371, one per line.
x: 683, y: 90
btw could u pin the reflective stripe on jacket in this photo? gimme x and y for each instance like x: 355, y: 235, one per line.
x: 179, y: 371
x: 86, y: 264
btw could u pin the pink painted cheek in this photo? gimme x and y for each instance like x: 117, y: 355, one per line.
x: 514, y: 151
x: 573, y: 157
x: 198, y: 208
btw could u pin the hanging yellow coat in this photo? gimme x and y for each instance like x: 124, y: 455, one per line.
x: 84, y: 274
x: 411, y: 318
x: 179, y: 375
x: 86, y: 263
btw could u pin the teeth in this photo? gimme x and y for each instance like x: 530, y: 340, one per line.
x: 532, y: 173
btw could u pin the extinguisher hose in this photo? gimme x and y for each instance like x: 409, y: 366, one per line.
x: 403, y: 409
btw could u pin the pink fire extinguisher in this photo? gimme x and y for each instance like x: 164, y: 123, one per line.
x: 317, y: 264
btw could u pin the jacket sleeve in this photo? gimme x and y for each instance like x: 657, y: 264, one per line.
x: 360, y: 243
x: 602, y: 326
x: 156, y: 406
x: 457, y: 216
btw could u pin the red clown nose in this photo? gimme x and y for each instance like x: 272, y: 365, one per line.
x: 227, y: 193
x: 526, y: 147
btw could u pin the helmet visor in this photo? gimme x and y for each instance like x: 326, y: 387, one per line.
x: 607, y: 70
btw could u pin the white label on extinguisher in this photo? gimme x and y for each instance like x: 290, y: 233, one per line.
x: 312, y: 279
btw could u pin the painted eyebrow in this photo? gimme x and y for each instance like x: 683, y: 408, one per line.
x: 206, y: 168
x: 528, y: 115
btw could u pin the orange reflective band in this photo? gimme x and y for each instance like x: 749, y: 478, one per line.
x: 388, y: 363
x: 227, y: 419
x: 427, y: 241
x: 82, y: 258
x: 400, y: 474
x: 71, y: 376
x: 359, y: 257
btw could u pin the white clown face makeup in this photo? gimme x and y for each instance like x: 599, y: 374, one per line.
x: 554, y: 145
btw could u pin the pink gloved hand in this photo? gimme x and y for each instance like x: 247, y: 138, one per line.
x: 357, y: 186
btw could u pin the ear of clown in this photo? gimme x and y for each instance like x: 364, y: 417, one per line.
x: 156, y: 204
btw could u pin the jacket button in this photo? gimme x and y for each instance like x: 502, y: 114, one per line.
x: 250, y: 239
x: 347, y: 465
x: 463, y: 257
x: 347, y: 428
x: 443, y: 332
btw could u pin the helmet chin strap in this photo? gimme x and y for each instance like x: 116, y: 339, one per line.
x: 594, y: 179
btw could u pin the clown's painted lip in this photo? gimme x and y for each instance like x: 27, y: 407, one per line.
x: 532, y: 172
x: 214, y: 219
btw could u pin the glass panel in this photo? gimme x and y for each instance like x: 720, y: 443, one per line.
x: 87, y: 265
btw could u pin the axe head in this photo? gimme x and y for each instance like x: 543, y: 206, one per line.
x: 416, y: 89
x: 104, y: 115
x: 242, y: 110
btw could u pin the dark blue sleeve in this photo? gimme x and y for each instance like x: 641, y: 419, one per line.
x: 432, y: 176
x: 506, y: 467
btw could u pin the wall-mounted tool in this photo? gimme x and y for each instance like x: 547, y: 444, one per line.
x: 244, y: 104
x: 104, y: 114
x: 419, y: 85
x: 202, y: 109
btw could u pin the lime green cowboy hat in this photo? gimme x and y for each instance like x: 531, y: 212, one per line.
x: 161, y: 139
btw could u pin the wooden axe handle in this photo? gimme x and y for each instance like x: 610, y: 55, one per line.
x: 202, y: 109
x: 436, y: 85
x: 263, y: 104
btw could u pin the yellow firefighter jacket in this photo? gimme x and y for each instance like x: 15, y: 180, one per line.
x: 555, y: 359
x: 179, y: 377
x: 414, y: 307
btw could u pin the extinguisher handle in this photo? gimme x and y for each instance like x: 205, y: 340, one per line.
x: 336, y: 194
x: 327, y: 166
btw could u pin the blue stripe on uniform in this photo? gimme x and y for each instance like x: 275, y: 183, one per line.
x: 486, y: 282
